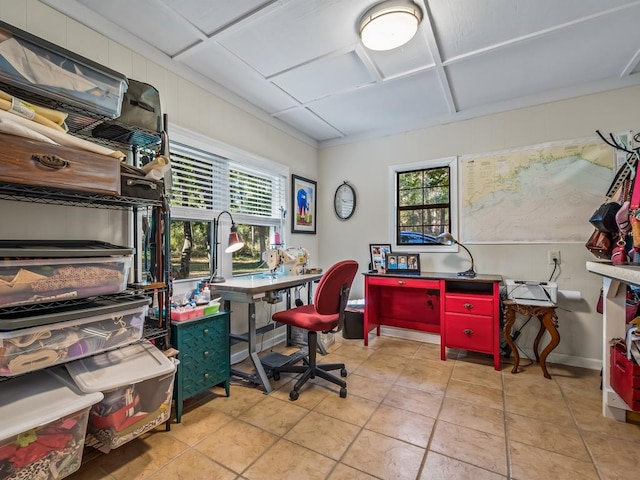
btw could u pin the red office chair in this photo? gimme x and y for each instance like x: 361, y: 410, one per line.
x: 326, y: 314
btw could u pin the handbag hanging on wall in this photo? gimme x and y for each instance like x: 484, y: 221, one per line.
x: 604, y: 218
x: 600, y: 244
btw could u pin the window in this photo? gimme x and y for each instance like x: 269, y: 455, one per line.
x: 204, y: 184
x: 424, y: 202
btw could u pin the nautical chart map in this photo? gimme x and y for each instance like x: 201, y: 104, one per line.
x: 538, y: 194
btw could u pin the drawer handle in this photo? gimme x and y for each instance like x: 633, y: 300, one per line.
x: 206, y: 376
x: 50, y: 161
x: 206, y: 331
x: 146, y: 183
x: 468, y: 306
x: 468, y: 331
x: 205, y: 354
x: 401, y: 282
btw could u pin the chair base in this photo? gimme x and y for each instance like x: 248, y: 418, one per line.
x: 311, y: 369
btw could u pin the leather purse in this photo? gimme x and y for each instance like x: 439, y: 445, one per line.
x: 604, y: 218
x: 600, y: 244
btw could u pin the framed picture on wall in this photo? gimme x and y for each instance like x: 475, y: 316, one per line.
x: 378, y: 253
x: 303, y: 195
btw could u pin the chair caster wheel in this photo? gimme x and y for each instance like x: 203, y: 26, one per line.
x: 293, y: 395
x: 343, y: 372
x: 276, y: 376
x: 343, y: 393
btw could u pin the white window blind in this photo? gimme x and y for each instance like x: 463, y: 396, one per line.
x: 199, y: 179
x: 206, y: 181
x: 254, y: 192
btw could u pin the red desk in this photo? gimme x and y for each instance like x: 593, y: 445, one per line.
x: 464, y: 311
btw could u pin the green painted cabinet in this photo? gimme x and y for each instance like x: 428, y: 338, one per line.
x: 203, y: 344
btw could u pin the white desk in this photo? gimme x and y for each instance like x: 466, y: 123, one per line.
x: 614, y: 281
x: 250, y: 290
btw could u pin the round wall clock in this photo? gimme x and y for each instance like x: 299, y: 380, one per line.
x: 344, y: 201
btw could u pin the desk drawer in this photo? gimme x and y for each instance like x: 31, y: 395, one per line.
x: 198, y: 377
x: 469, y: 332
x: 403, y: 282
x: 471, y: 304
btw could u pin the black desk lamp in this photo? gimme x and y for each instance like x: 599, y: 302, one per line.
x: 235, y: 243
x: 446, y: 238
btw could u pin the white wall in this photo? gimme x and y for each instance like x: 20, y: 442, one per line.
x: 186, y: 104
x: 365, y: 165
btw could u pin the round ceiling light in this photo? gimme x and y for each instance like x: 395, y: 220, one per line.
x: 390, y: 24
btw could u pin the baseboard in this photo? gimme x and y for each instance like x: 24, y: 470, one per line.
x: 270, y: 339
x: 279, y: 335
x: 409, y: 335
x: 559, y: 358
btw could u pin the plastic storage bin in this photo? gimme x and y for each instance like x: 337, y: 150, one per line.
x: 52, y: 72
x: 32, y: 281
x: 137, y: 383
x: 44, y: 422
x: 624, y: 377
x: 34, y: 348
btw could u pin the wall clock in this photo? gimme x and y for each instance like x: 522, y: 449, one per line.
x: 344, y: 201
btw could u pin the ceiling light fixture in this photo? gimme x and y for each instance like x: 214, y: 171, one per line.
x: 389, y: 24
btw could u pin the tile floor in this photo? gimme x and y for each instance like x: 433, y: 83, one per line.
x: 408, y: 415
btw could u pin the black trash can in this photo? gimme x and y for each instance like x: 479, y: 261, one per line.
x: 353, y: 323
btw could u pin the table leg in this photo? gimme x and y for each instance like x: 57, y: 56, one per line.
x: 260, y: 376
x: 508, y: 324
x: 550, y: 322
x: 536, y: 343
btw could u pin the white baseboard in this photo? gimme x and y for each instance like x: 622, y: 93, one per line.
x: 560, y: 358
x: 270, y: 339
x: 279, y: 335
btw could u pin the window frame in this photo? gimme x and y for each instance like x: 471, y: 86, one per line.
x: 393, y: 170
x: 237, y: 157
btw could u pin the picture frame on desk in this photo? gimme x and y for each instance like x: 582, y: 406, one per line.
x: 378, y: 253
x: 303, y: 196
x: 403, y: 263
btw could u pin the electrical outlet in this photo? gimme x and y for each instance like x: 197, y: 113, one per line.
x: 553, y: 257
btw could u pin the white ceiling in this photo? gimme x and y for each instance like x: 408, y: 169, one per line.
x: 300, y: 64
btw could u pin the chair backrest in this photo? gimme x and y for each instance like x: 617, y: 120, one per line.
x: 330, y: 297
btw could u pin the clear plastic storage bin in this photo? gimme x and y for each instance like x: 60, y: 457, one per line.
x: 137, y: 383
x: 52, y: 72
x: 34, y: 348
x: 44, y: 421
x: 32, y: 281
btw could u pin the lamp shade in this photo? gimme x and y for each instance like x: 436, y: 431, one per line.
x: 446, y: 238
x: 390, y: 24
x: 235, y: 242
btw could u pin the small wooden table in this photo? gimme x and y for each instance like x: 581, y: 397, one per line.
x: 546, y: 314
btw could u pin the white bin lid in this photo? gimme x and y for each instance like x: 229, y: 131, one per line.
x: 38, y: 398
x: 124, y: 366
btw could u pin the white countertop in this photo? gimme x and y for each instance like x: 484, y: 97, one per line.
x: 624, y: 273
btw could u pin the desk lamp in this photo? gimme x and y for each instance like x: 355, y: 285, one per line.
x: 445, y: 238
x: 235, y: 243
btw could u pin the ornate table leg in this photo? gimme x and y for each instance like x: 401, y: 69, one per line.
x: 536, y: 343
x: 508, y: 324
x: 550, y: 321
